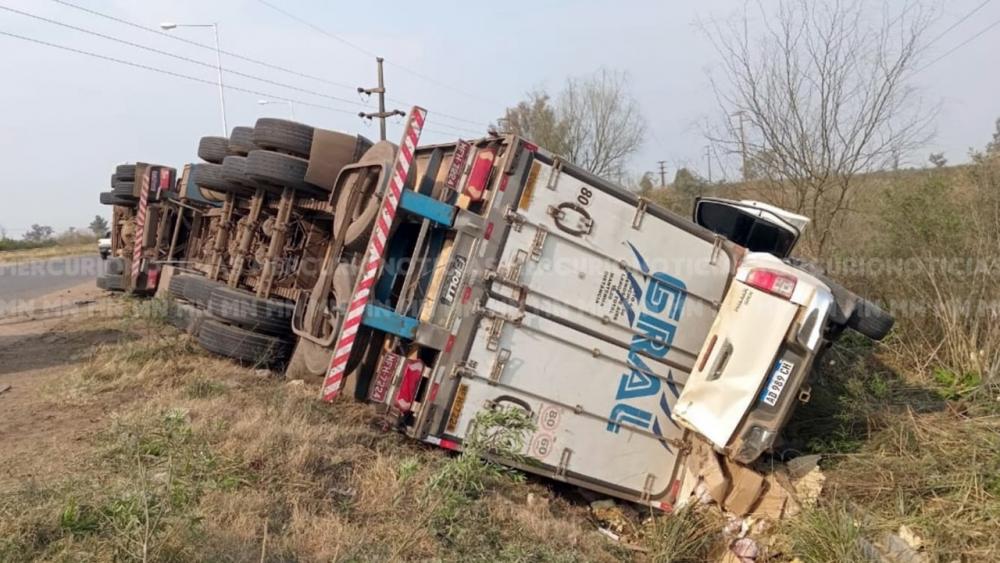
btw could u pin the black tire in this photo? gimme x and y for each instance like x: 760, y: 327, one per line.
x: 246, y: 310
x: 361, y: 215
x: 213, y: 149
x: 197, y: 290
x: 234, y: 171
x: 243, y: 345
x: 211, y: 177
x: 177, y: 284
x: 124, y: 189
x: 109, y: 198
x: 283, y: 135
x: 116, y: 266
x: 278, y: 170
x: 125, y: 172
x: 241, y: 141
x: 110, y: 282
x: 870, y: 320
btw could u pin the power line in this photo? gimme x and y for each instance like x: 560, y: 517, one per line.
x: 959, y: 22
x: 183, y: 58
x: 250, y: 59
x: 962, y: 44
x: 203, y: 45
x: 362, y: 50
x: 189, y: 77
x: 174, y: 74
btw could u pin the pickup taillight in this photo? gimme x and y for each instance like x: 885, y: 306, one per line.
x: 773, y: 282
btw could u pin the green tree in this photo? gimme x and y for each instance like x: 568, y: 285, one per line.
x: 99, y: 225
x: 38, y: 233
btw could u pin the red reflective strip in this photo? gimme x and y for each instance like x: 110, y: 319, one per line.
x: 450, y: 344
x: 503, y: 183
x: 433, y: 394
x: 376, y: 247
x: 466, y: 295
x: 489, y: 231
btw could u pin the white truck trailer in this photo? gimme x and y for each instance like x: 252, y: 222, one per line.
x: 500, y: 275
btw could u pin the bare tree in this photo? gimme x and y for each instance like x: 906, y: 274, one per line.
x: 594, y: 121
x: 816, y: 94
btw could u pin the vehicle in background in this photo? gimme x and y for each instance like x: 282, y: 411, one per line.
x: 104, y: 245
x: 140, y: 198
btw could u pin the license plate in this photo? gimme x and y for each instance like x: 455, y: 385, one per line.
x: 383, y: 377
x: 776, y: 384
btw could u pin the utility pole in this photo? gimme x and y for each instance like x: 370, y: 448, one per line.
x: 663, y: 172
x: 743, y: 145
x: 381, y: 114
x: 708, y: 161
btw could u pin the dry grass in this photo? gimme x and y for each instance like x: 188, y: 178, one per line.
x: 48, y: 252
x: 209, y: 461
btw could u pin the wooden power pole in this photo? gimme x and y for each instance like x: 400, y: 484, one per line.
x: 663, y: 173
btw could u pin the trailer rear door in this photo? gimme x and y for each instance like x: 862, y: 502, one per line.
x: 593, y: 316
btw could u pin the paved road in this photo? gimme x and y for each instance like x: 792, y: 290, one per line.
x: 23, y: 281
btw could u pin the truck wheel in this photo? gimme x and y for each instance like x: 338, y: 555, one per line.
x: 361, y: 216
x: 213, y: 149
x: 283, y: 135
x: 246, y: 310
x: 870, y: 320
x: 234, y: 171
x: 211, y: 177
x: 109, y: 198
x: 277, y: 169
x: 198, y: 290
x: 177, y: 285
x: 116, y: 266
x: 110, y: 282
x: 241, y: 141
x: 240, y: 344
x: 125, y: 172
x: 124, y: 189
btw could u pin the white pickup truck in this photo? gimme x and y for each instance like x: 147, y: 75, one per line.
x: 513, y: 278
x: 104, y: 245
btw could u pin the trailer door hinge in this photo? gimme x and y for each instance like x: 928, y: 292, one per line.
x: 557, y: 165
x: 514, y: 218
x: 716, y: 249
x: 538, y: 243
x: 498, y: 366
x: 640, y: 212
x: 496, y: 328
x: 564, y: 462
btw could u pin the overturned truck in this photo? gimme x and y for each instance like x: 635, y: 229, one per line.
x: 492, y: 274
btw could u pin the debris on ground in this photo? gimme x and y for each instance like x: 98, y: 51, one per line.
x: 4, y: 389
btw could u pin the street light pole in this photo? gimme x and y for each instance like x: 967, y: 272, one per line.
x: 167, y: 26
x: 222, y: 89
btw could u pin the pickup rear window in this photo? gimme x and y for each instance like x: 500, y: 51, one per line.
x: 748, y: 231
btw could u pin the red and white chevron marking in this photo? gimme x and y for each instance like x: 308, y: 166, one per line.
x: 373, y: 255
x: 140, y: 227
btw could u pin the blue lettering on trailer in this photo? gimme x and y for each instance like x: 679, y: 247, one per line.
x: 663, y: 294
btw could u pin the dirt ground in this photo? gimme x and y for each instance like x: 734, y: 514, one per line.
x: 40, y: 439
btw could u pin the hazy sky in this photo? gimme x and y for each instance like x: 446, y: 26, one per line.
x: 67, y: 118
